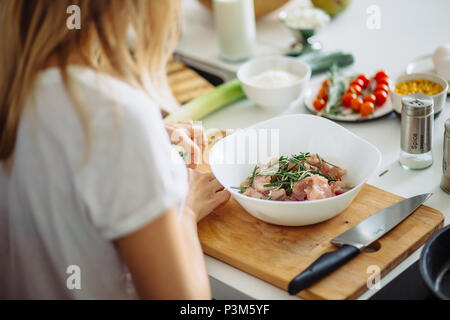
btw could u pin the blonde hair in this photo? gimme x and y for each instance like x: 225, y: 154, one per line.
x: 35, y: 32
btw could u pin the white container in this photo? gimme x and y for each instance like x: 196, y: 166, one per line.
x: 297, y: 133
x: 439, y: 99
x: 277, y: 97
x: 235, y: 24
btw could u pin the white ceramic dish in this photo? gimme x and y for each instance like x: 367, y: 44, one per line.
x: 438, y: 99
x: 279, y: 97
x: 348, y: 115
x: 422, y: 64
x: 233, y: 158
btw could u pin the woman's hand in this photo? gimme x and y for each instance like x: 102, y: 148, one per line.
x: 190, y: 138
x: 205, y: 194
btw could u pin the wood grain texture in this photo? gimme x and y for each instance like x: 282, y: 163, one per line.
x: 186, y: 84
x: 277, y: 254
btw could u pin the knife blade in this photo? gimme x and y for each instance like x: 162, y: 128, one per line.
x: 353, y: 240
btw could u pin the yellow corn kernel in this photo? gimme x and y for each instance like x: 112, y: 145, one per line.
x: 418, y: 86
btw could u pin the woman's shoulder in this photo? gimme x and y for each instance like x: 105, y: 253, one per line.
x: 95, y: 89
x: 113, y: 112
x: 101, y: 99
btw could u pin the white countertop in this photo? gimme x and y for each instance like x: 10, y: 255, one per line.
x: 409, y: 29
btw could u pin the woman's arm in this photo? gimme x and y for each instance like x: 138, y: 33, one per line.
x: 165, y: 257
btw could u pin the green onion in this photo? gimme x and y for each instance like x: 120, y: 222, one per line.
x: 268, y: 197
x: 253, y: 176
x: 333, y: 165
x: 383, y: 173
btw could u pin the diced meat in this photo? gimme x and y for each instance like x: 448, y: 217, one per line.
x: 320, y: 181
x: 245, y: 183
x: 312, y: 188
x: 278, y: 194
x: 336, y: 172
x: 260, y: 181
x: 332, y: 171
x: 298, y: 189
x: 251, y: 192
x: 314, y: 159
x: 318, y: 189
x: 336, y: 187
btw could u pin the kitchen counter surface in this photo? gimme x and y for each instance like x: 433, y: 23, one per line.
x: 408, y: 29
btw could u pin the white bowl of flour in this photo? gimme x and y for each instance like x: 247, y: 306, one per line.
x: 274, y: 82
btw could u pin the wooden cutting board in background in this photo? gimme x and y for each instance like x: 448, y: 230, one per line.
x: 277, y: 254
x: 186, y: 84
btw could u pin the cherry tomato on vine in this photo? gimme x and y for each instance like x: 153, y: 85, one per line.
x: 355, y: 88
x: 369, y: 98
x: 323, y: 94
x: 356, y: 104
x: 381, y: 97
x: 364, y: 79
x: 366, y: 109
x: 381, y: 74
x: 358, y: 82
x: 347, y: 99
x: 383, y: 81
x: 383, y: 87
x: 319, y: 104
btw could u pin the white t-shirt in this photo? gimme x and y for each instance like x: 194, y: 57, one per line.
x: 59, y: 214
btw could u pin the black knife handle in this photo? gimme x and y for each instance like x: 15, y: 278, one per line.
x: 327, y: 263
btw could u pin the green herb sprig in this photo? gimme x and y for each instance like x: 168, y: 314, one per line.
x: 288, y: 170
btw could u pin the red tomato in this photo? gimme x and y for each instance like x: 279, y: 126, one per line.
x: 356, y: 104
x: 319, y: 104
x: 358, y: 82
x: 369, y: 98
x: 325, y: 83
x: 382, y: 87
x: 355, y: 88
x: 365, y: 80
x: 366, y: 109
x: 323, y: 94
x: 381, y: 97
x: 347, y: 99
x: 381, y: 74
x: 383, y: 81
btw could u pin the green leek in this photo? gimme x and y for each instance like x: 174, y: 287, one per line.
x: 209, y: 102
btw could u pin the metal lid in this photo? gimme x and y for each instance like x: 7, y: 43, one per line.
x: 417, y: 104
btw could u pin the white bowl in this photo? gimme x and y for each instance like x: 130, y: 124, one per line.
x: 438, y: 99
x: 233, y: 158
x: 278, y: 97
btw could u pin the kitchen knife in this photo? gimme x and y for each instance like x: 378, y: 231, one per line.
x: 353, y: 240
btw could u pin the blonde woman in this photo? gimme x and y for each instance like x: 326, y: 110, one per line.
x: 93, y: 204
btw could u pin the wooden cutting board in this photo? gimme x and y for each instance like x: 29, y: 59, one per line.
x: 186, y: 84
x: 277, y: 254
